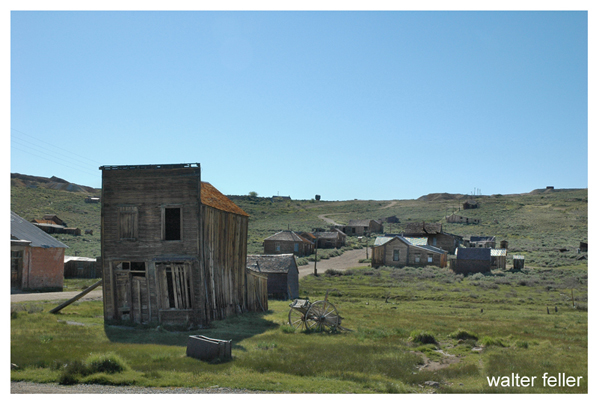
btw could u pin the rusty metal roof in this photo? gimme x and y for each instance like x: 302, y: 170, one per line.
x: 211, y: 197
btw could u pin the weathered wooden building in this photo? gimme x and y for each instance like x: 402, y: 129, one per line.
x: 282, y: 272
x: 326, y: 240
x: 434, y: 234
x: 459, y: 219
x: 37, y: 259
x: 499, y: 259
x: 288, y: 242
x: 470, y: 204
x: 472, y: 260
x: 81, y: 267
x: 397, y: 251
x: 481, y: 242
x: 173, y: 247
x: 361, y: 227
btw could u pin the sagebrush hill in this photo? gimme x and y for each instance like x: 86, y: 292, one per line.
x: 545, y: 225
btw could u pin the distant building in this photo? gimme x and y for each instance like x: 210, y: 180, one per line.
x: 473, y: 260
x: 434, y: 234
x: 282, y: 273
x: 288, y: 242
x: 361, y: 227
x: 398, y: 251
x: 481, y: 241
x: 470, y: 204
x: 37, y: 259
x: 81, y: 267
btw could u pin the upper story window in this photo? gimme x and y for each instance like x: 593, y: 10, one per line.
x: 127, y: 223
x: 171, y: 222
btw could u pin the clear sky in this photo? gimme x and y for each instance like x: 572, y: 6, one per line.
x: 374, y: 105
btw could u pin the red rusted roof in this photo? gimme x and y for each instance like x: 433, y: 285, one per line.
x: 213, y: 198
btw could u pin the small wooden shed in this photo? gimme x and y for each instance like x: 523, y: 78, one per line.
x: 282, y: 272
x: 473, y: 260
x: 80, y: 267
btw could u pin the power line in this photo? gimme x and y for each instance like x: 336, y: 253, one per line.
x: 53, y: 161
x: 44, y: 152
x: 54, y: 146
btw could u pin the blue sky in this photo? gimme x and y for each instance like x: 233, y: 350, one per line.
x: 374, y: 105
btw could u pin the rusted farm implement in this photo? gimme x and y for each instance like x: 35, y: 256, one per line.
x: 319, y: 316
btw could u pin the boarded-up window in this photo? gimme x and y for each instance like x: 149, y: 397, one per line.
x: 277, y: 247
x: 417, y: 258
x: 177, y: 286
x: 171, y: 224
x: 128, y: 223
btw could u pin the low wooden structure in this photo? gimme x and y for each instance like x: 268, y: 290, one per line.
x: 37, y: 259
x: 282, y: 273
x: 173, y: 247
x: 361, y: 227
x: 481, y: 242
x: 498, y: 259
x: 208, y: 349
x: 284, y: 242
x: 398, y: 251
x: 518, y: 262
x: 470, y: 204
x: 472, y: 260
x: 434, y: 234
x: 459, y: 219
x: 331, y: 239
x: 81, y: 267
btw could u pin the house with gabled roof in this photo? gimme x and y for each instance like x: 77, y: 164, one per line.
x: 398, y: 251
x: 361, y: 227
x: 327, y: 239
x: 174, y: 248
x: 288, y: 242
x: 37, y: 259
x: 434, y: 234
x: 281, y: 271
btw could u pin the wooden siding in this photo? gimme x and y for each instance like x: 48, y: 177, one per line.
x: 396, y: 253
x: 196, y: 278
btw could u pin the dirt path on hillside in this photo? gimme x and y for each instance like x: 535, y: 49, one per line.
x: 389, y: 205
x: 330, y: 221
x: 348, y: 259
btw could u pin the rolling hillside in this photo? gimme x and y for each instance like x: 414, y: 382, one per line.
x: 546, y: 226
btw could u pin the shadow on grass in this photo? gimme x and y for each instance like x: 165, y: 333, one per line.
x: 235, y: 328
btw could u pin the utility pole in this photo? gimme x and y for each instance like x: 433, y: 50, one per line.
x: 315, y: 257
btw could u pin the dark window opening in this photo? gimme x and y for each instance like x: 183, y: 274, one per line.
x: 172, y: 224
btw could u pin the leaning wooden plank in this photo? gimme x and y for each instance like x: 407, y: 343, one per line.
x: 75, y: 298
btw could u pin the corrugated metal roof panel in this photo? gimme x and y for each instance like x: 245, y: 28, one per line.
x: 22, y: 229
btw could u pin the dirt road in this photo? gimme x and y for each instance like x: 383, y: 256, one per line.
x: 55, y: 296
x: 348, y: 259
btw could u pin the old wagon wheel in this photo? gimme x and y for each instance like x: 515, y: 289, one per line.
x: 322, y: 316
x: 297, y: 319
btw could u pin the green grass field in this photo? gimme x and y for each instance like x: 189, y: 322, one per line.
x: 483, y: 326
x: 413, y: 330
